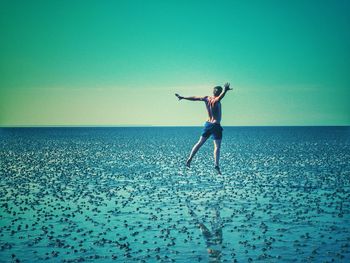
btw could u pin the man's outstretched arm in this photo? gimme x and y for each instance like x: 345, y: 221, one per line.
x: 193, y: 98
x: 223, y: 93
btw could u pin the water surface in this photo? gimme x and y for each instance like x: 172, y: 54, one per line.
x: 123, y: 194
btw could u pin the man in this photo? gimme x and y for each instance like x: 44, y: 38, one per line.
x: 212, y: 125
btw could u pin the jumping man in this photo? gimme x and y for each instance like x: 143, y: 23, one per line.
x: 212, y: 125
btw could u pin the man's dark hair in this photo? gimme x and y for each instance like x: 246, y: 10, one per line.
x: 217, y: 90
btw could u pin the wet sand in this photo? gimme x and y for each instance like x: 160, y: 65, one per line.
x: 124, y: 194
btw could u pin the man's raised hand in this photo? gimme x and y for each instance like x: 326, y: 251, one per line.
x: 227, y: 86
x: 178, y: 96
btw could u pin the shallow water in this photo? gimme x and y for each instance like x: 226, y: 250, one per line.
x: 123, y: 194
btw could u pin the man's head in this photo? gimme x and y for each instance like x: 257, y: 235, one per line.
x: 217, y: 91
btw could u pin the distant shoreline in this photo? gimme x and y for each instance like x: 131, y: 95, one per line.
x: 160, y: 126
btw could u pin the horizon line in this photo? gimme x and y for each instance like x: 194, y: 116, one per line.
x: 155, y: 126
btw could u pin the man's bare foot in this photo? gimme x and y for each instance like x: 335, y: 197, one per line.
x: 188, y: 163
x: 217, y: 169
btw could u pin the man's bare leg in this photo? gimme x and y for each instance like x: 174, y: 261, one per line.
x: 217, y: 146
x: 195, y: 149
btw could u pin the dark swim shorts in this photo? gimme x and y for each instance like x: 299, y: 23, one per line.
x: 213, y: 129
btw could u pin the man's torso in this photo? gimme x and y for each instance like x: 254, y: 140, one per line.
x: 214, y: 110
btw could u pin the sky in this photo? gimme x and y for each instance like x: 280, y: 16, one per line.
x: 119, y: 63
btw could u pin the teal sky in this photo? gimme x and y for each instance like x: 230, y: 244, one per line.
x: 120, y: 62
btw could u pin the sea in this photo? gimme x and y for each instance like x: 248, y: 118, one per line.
x: 124, y: 194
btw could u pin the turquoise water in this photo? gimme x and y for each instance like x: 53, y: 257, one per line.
x: 123, y: 194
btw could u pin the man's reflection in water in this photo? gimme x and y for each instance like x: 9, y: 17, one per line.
x: 213, y: 238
